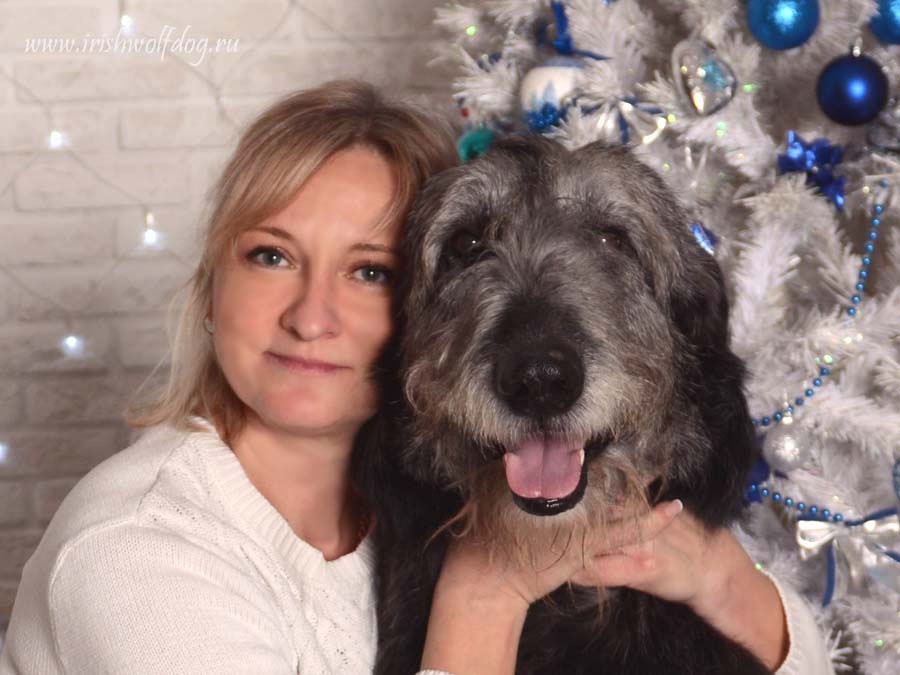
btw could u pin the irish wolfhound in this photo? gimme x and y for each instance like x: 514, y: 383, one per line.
x: 563, y: 350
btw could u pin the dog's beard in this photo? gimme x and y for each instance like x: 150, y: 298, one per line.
x: 617, y: 495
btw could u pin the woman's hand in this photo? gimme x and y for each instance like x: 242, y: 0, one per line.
x: 480, y: 603
x: 467, y: 564
x: 709, y: 571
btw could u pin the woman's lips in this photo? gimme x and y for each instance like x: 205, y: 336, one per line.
x: 305, y: 365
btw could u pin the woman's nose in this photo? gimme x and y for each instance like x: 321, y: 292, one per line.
x: 312, y: 312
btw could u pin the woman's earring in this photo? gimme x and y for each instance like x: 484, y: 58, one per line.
x: 208, y: 325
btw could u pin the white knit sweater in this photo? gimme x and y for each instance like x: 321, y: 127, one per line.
x: 166, y: 559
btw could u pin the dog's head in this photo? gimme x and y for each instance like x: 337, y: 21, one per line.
x: 564, y: 340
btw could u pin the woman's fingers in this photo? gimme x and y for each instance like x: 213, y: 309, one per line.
x: 624, y: 533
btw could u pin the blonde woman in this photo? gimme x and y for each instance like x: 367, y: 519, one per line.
x: 229, y: 538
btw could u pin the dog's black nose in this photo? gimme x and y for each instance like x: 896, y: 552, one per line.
x: 540, y: 382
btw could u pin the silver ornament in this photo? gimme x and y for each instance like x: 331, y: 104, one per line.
x: 787, y: 447
x: 704, y: 80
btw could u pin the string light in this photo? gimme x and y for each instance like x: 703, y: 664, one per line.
x: 72, y: 345
x: 151, y: 236
x: 4, y: 452
x: 57, y: 140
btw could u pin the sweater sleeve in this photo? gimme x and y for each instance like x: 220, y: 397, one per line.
x: 807, y: 653
x: 132, y: 599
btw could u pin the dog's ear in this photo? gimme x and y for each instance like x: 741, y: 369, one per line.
x: 712, y: 380
x: 698, y: 302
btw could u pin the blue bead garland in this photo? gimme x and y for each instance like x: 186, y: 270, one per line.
x: 802, y: 507
x: 851, y: 311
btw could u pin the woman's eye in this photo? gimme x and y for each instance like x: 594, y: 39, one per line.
x: 375, y: 274
x: 267, y: 257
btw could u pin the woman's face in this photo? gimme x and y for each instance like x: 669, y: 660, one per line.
x: 311, y: 284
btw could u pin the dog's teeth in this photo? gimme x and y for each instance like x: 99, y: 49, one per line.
x: 581, y: 457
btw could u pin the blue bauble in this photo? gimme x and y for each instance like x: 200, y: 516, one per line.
x: 782, y: 24
x: 852, y: 90
x: 886, y: 24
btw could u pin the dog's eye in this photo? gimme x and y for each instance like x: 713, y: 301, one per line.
x: 615, y: 239
x: 466, y: 246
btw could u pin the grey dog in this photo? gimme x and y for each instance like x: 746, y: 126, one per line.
x: 562, y: 351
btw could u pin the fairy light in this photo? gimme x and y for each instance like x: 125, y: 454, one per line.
x: 472, y: 30
x: 152, y: 236
x: 72, y: 345
x: 4, y: 452
x: 57, y: 140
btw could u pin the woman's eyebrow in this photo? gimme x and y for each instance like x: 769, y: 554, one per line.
x: 373, y: 247
x: 276, y: 231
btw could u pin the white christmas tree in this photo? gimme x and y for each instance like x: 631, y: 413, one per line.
x: 772, y: 119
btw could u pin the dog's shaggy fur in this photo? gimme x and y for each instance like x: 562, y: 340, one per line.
x: 559, y: 293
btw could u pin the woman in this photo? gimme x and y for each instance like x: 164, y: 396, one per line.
x: 229, y: 537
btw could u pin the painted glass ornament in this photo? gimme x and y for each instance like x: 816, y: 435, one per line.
x: 782, y: 24
x: 704, y: 80
x: 852, y: 89
x: 557, y: 81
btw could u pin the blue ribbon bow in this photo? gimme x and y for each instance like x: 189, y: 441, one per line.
x: 818, y: 160
x: 563, y: 43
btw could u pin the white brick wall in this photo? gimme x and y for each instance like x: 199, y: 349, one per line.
x: 145, y: 132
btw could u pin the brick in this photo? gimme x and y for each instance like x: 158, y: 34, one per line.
x: 55, y: 237
x: 177, y: 227
x: 142, y: 342
x: 59, y: 182
x: 15, y: 497
x: 174, y: 126
x: 82, y: 399
x: 15, y: 549
x: 127, y: 286
x: 35, y: 20
x: 326, y: 19
x: 286, y: 67
x: 49, y: 494
x: 10, y: 402
x: 100, y: 77
x: 85, y: 128
x: 245, y: 21
x: 60, y: 453
x: 39, y: 348
x: 206, y: 166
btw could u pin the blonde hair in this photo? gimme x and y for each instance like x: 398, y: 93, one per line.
x: 277, y: 153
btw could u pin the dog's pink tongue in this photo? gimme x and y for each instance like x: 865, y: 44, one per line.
x: 544, y: 467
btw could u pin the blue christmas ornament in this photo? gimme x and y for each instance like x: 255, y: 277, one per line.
x: 782, y: 24
x: 886, y: 23
x: 818, y: 160
x: 852, y: 90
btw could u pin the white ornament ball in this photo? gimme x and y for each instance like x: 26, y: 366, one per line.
x: 787, y: 447
x: 556, y: 81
